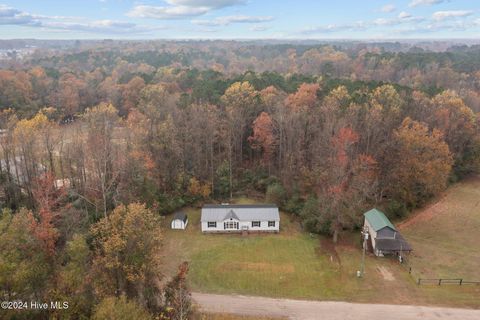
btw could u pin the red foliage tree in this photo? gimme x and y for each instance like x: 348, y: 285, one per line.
x: 263, y: 136
x: 47, y: 198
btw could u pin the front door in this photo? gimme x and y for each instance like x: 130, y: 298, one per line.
x: 230, y: 225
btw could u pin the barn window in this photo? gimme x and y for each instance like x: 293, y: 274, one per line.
x: 212, y: 224
x: 271, y: 223
x: 255, y: 224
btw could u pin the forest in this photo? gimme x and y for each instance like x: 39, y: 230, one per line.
x: 101, y: 140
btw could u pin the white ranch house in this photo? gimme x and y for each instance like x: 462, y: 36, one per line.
x: 240, y: 218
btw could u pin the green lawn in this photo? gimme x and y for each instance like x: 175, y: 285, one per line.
x: 446, y: 235
x: 293, y: 264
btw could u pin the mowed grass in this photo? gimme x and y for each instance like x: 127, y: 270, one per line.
x: 261, y: 264
x: 446, y: 235
x: 293, y: 264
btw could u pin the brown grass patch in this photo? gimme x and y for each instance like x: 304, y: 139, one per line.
x: 328, y: 247
x: 257, y: 267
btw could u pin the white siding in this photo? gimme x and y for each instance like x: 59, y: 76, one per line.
x: 243, y: 225
x: 373, y: 234
x: 179, y: 224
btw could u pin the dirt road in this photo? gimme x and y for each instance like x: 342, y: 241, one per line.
x: 325, y: 310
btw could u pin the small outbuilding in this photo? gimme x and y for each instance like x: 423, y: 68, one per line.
x: 384, y: 238
x: 180, y: 221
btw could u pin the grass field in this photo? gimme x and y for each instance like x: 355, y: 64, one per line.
x: 446, y: 234
x: 294, y: 264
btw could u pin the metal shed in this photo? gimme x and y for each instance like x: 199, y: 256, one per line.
x: 180, y: 220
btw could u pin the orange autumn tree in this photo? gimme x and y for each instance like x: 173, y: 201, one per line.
x: 456, y: 121
x: 47, y: 198
x: 304, y: 98
x: 420, y: 163
x: 263, y: 137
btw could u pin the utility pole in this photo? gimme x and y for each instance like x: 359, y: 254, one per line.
x: 365, y: 238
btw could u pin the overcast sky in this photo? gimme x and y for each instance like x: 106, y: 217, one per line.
x: 240, y: 19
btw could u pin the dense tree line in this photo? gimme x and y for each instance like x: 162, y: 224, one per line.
x: 73, y: 79
x: 354, y: 146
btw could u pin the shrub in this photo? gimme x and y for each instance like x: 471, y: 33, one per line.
x: 276, y: 194
x: 119, y: 309
x: 396, y: 209
x: 315, y: 218
x: 294, y: 204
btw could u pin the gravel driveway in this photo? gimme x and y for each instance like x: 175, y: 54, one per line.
x: 324, y: 310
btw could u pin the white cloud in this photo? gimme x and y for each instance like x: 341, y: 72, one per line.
x: 212, y: 4
x: 388, y: 8
x: 331, y: 28
x: 416, y: 3
x: 382, y: 21
x: 97, y: 26
x: 224, y: 21
x: 164, y: 13
x: 12, y: 16
x: 258, y: 28
x: 181, y: 9
x: 404, y: 15
x: 403, y: 18
x: 442, y: 15
x: 435, y: 27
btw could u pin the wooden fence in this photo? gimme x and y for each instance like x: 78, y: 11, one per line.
x: 440, y: 281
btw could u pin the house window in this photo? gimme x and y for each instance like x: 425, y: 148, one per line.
x: 230, y: 225
x: 212, y: 224
x: 271, y: 223
x: 255, y: 224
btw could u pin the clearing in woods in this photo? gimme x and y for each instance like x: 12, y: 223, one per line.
x: 295, y: 264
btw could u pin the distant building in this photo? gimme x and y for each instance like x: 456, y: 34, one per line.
x: 16, y: 168
x: 384, y: 237
x: 240, y: 218
x: 180, y: 221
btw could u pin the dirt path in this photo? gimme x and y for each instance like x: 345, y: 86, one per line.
x: 386, y: 274
x: 325, y: 310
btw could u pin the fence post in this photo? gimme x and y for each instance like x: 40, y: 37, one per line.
x: 439, y: 282
x: 461, y: 280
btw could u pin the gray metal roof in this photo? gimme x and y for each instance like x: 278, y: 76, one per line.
x: 241, y: 206
x: 231, y: 215
x: 180, y: 216
x: 261, y: 212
